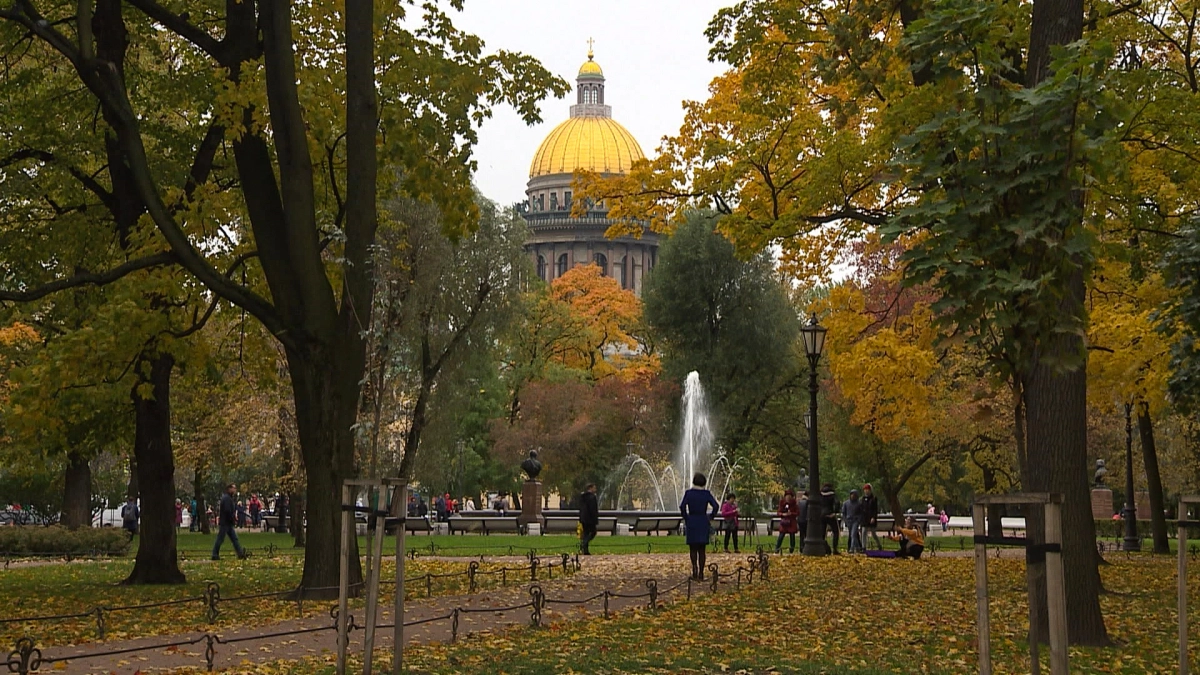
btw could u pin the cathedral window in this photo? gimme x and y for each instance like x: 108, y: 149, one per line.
x: 553, y: 201
x: 601, y: 261
x: 562, y: 265
x: 541, y: 267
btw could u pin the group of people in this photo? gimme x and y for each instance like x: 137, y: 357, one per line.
x: 859, y: 515
x: 444, y: 506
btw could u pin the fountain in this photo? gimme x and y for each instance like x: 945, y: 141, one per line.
x: 639, y: 482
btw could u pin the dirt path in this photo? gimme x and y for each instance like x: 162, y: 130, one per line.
x: 483, y: 611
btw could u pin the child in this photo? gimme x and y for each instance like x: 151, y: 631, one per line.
x: 729, y: 512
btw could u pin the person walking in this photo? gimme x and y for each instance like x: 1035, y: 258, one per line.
x: 194, y: 524
x: 944, y: 519
x: 852, y: 518
x: 255, y: 511
x: 870, y: 517
x: 829, y: 512
x: 789, y: 516
x: 697, y: 522
x: 729, y: 513
x: 178, y: 513
x: 225, y: 524
x: 129, y: 516
x: 589, y: 517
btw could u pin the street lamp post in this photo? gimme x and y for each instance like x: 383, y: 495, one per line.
x: 1132, y: 541
x: 814, y: 341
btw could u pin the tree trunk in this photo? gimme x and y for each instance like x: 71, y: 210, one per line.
x: 1056, y: 443
x: 1158, y: 516
x: 326, y: 409
x: 156, y: 562
x: 201, y: 514
x: 295, y: 511
x: 77, y: 492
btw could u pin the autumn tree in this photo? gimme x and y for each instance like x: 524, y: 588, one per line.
x: 434, y: 84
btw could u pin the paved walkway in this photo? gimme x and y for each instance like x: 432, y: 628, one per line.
x: 265, y: 643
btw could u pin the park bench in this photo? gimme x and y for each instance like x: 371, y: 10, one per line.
x: 747, y: 528
x: 484, y: 524
x: 415, y: 524
x: 657, y: 524
x: 567, y: 524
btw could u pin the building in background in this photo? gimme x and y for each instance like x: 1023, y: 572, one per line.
x: 590, y: 139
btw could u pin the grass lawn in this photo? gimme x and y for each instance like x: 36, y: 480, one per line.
x: 78, y: 587
x: 835, y: 615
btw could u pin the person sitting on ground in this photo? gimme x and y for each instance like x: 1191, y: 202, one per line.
x: 912, y: 540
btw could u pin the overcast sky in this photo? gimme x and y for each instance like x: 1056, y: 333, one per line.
x: 653, y: 52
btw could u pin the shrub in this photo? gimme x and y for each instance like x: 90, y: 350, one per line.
x: 28, y: 540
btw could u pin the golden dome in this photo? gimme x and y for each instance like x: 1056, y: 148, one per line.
x: 590, y: 67
x: 594, y: 143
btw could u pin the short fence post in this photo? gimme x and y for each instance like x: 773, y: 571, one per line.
x: 472, y: 569
x: 606, y: 595
x: 100, y: 621
x: 210, y: 650
x: 24, y: 658
x: 652, y: 586
x: 538, y: 600
x: 454, y: 625
x: 712, y: 569
x: 212, y: 596
x: 428, y: 585
x: 533, y: 565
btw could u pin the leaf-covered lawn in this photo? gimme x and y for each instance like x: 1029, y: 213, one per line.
x: 78, y: 587
x: 839, y: 615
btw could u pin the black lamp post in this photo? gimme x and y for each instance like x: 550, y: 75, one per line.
x: 814, y: 341
x: 1132, y: 541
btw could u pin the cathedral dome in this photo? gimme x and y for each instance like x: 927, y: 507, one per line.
x: 597, y: 144
x: 590, y: 67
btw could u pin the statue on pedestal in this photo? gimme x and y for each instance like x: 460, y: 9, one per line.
x: 1101, y: 472
x: 531, y: 466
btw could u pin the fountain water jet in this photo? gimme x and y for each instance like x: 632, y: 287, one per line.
x: 695, y: 444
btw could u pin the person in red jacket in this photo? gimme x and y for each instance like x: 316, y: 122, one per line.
x: 789, y: 514
x: 729, y: 513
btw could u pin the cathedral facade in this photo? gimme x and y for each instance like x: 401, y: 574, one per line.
x: 589, y: 139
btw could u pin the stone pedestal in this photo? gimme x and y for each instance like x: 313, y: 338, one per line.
x: 531, y: 502
x: 1102, y: 504
x: 1141, y: 502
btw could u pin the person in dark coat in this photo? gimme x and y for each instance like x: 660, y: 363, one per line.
x: 870, y: 515
x: 589, y: 517
x: 697, y: 521
x: 852, y: 510
x: 829, y: 512
x: 789, y: 520
x: 225, y: 522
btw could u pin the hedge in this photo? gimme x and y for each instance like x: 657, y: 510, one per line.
x: 56, y: 540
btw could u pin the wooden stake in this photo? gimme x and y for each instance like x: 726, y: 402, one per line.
x: 344, y: 578
x: 1056, y: 594
x: 1182, y: 599
x: 373, y: 584
x: 982, y: 624
x: 401, y: 493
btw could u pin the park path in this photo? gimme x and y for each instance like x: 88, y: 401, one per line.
x: 268, y: 642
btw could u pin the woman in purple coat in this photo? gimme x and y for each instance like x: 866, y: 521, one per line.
x: 697, y: 521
